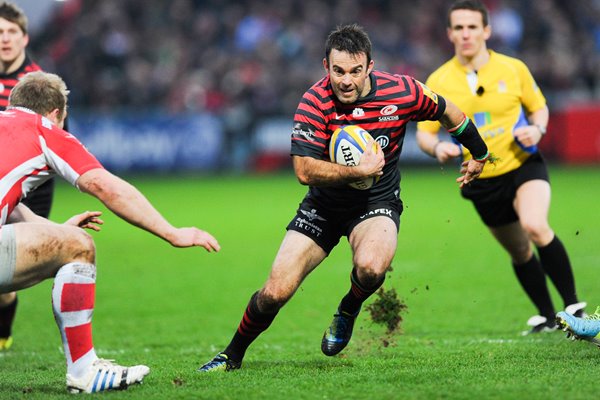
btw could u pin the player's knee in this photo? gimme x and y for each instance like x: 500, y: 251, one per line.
x: 536, y: 230
x: 81, y: 246
x: 520, y: 252
x: 370, y: 268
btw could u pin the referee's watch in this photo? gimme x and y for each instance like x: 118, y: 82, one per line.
x: 542, y: 129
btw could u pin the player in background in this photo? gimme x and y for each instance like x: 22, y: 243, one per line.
x: 581, y: 328
x: 33, y: 148
x: 351, y: 93
x: 14, y: 63
x: 512, y: 195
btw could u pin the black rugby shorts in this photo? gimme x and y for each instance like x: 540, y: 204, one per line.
x: 493, y: 197
x: 326, y: 225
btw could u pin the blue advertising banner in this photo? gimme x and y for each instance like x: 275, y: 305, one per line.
x: 151, y: 142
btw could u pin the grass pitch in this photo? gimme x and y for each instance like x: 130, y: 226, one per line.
x: 174, y: 309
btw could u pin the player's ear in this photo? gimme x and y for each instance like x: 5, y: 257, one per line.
x: 325, y: 64
x: 487, y: 31
x: 370, y: 66
x: 55, y: 116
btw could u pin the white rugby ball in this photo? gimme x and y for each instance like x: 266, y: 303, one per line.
x: 347, y: 144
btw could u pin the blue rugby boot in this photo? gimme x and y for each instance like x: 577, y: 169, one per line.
x: 587, y: 328
x: 337, y: 336
x: 221, y: 362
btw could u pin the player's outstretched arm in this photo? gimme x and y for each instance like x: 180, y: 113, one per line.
x: 130, y: 204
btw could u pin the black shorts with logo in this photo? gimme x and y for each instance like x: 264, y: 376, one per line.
x: 493, y: 197
x: 326, y: 225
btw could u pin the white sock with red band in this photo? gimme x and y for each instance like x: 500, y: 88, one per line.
x: 73, y: 296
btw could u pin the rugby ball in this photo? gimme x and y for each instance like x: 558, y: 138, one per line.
x: 347, y: 144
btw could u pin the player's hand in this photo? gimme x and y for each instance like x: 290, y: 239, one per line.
x: 372, y: 160
x: 86, y: 220
x: 444, y: 151
x: 470, y: 171
x: 528, y: 135
x: 189, y: 237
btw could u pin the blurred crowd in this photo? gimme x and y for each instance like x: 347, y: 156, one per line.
x: 246, y: 59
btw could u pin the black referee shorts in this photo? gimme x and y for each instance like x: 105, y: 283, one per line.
x: 326, y: 225
x: 493, y: 197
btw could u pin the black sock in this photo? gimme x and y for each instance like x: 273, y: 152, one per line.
x: 253, y: 323
x: 555, y: 262
x: 7, y: 315
x: 533, y: 280
x: 357, y: 294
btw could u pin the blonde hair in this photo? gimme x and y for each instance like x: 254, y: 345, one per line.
x: 41, y: 92
x: 11, y: 12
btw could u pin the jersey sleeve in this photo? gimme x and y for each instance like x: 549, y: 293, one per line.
x: 431, y: 125
x: 64, y: 153
x: 309, y: 137
x: 532, y: 97
x: 431, y: 105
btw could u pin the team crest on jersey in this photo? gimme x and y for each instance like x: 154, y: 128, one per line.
x: 358, y: 112
x: 389, y: 110
x: 428, y: 92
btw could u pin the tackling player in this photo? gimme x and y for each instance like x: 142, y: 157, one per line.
x: 352, y: 92
x: 14, y: 63
x: 512, y: 195
x: 33, y: 148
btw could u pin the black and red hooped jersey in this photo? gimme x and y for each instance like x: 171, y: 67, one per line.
x: 394, y: 100
x: 8, y: 81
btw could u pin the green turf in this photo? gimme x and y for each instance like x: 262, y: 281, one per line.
x: 173, y: 309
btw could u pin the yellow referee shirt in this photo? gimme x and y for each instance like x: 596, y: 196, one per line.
x: 497, y: 98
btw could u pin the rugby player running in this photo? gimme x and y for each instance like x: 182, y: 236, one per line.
x: 351, y: 93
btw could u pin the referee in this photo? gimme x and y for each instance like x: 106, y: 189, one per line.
x: 512, y: 195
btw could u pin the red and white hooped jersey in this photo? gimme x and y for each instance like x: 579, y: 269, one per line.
x: 32, y: 150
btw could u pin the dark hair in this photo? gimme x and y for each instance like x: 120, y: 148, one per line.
x: 349, y: 38
x: 473, y: 5
x: 14, y: 14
